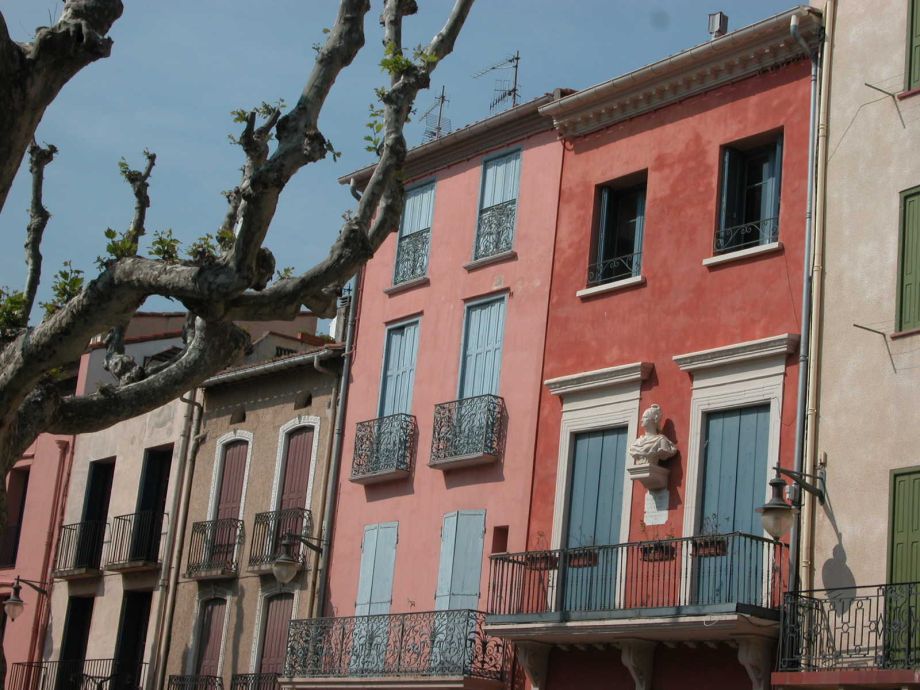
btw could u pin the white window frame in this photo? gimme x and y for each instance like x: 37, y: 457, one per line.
x: 218, y: 470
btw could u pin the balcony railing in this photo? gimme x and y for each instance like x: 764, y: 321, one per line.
x: 214, y: 548
x: 384, y: 448
x: 269, y: 531
x: 195, y: 683
x: 469, y: 431
x: 80, y: 549
x: 432, y: 643
x: 412, y: 256
x: 746, y: 235
x: 254, y: 681
x: 89, y: 674
x: 496, y: 229
x: 617, y: 268
x: 875, y: 627
x: 9, y: 545
x: 685, y: 575
x: 135, y: 541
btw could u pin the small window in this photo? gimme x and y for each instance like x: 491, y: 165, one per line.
x: 909, y: 269
x: 618, y: 237
x: 913, y: 45
x: 497, y: 205
x: 414, y: 235
x: 749, y: 212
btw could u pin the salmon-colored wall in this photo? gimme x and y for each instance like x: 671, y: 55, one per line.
x: 503, y: 490
x: 684, y: 306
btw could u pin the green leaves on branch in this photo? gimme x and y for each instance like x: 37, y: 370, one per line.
x: 117, y: 246
x: 375, y: 125
x: 263, y: 110
x: 67, y: 284
x: 207, y: 249
x: 12, y: 312
x: 395, y: 63
x: 164, y: 246
x: 285, y: 273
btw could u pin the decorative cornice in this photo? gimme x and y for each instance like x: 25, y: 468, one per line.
x: 599, y: 378
x: 739, y: 352
x: 730, y: 58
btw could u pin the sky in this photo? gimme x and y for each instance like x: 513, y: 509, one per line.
x: 179, y: 67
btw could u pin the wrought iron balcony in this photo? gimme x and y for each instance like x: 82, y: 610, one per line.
x: 214, y: 549
x: 412, y: 256
x: 269, y: 531
x: 468, y: 432
x: 746, y: 235
x: 195, y: 683
x: 874, y: 627
x: 9, y: 545
x: 617, y: 268
x: 495, y: 232
x: 684, y: 576
x: 431, y: 644
x: 384, y: 449
x: 135, y: 541
x: 80, y: 550
x: 253, y: 681
x: 84, y: 674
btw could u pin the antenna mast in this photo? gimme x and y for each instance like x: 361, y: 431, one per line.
x: 505, y: 90
x: 436, y: 126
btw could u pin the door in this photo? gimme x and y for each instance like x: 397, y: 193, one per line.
x: 73, y: 643
x: 95, y: 513
x: 229, y: 502
x: 730, y: 568
x: 278, y: 610
x: 294, y: 483
x: 210, y: 637
x: 902, y: 605
x: 151, y: 505
x: 399, y: 370
x: 482, y: 348
x: 594, y: 516
x: 370, y: 641
x: 132, y: 638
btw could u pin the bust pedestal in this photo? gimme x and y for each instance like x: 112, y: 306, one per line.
x: 652, y: 476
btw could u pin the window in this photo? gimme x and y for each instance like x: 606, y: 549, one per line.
x: 399, y: 369
x: 749, y: 213
x: 460, y: 566
x: 17, y: 487
x: 618, y: 239
x: 497, y: 205
x: 909, y: 278
x: 913, y: 45
x: 414, y: 235
x: 482, y: 348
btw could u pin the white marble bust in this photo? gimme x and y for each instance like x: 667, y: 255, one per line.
x: 652, y: 446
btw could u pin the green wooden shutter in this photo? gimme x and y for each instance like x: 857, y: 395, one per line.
x: 905, y: 528
x: 913, y: 39
x: 909, y: 292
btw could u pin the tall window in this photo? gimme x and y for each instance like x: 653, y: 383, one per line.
x: 909, y: 278
x: 414, y: 235
x: 749, y: 213
x: 497, y: 205
x: 17, y: 487
x: 913, y: 45
x: 484, y: 332
x: 461, y: 560
x: 618, y: 238
x: 399, y: 369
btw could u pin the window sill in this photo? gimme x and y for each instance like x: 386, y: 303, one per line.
x: 408, y: 285
x: 587, y: 293
x: 510, y: 255
x: 908, y: 93
x: 897, y: 335
x: 742, y: 254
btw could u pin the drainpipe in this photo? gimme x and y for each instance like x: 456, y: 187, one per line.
x: 335, y: 460
x: 805, y: 342
x: 188, y: 450
x: 319, y: 367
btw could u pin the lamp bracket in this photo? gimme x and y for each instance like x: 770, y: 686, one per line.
x: 290, y: 537
x: 802, y: 480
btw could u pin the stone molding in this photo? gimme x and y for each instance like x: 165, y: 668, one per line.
x: 739, y: 352
x: 599, y: 378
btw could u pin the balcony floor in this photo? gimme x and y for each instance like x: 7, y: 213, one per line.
x: 393, y: 682
x: 847, y: 678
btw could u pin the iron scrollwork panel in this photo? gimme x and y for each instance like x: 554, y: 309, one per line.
x: 384, y: 445
x: 412, y: 256
x: 472, y: 426
x: 496, y: 229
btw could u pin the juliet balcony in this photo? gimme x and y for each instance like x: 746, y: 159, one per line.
x: 84, y: 674
x: 214, y: 549
x: 269, y: 531
x: 384, y: 449
x: 195, y: 682
x: 495, y: 231
x: 431, y: 649
x: 468, y: 432
x: 135, y: 544
x: 412, y: 257
x: 79, y: 551
x: 714, y: 587
x: 254, y: 681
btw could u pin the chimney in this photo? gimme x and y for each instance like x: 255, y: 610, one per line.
x: 718, y: 24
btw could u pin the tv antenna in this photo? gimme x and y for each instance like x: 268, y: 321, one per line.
x: 505, y: 90
x: 436, y: 124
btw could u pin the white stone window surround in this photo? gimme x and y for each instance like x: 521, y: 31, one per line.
x: 236, y: 435
x: 212, y: 592
x: 298, y: 422
x: 269, y: 589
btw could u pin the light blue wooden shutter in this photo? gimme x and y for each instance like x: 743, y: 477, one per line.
x: 769, y: 200
x: 399, y: 369
x: 732, y: 165
x: 500, y: 179
x: 460, y: 566
x: 418, y: 210
x: 446, y: 562
x: 378, y: 558
x: 640, y: 229
x: 482, y: 348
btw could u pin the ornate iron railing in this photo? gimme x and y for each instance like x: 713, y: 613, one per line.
x: 496, y: 229
x: 731, y: 239
x: 80, y: 547
x: 196, y: 683
x: 469, y: 427
x: 851, y: 627
x: 384, y: 445
x: 254, y: 681
x: 135, y: 539
x: 9, y: 545
x: 685, y: 572
x: 617, y: 268
x: 84, y: 674
x: 215, y: 547
x: 412, y: 256
x: 269, y: 531
x: 431, y: 643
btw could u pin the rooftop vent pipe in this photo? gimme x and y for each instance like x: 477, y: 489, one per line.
x: 718, y: 24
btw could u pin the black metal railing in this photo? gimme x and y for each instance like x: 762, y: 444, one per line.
x: 384, y: 445
x: 496, y: 229
x: 88, y: 674
x: 269, y: 531
x: 617, y: 268
x: 469, y: 427
x: 851, y: 627
x: 412, y: 256
x: 431, y: 643
x: 9, y: 545
x: 215, y: 547
x: 753, y: 234
x: 684, y: 572
x: 254, y: 681
x: 195, y: 683
x: 80, y: 547
x: 136, y: 539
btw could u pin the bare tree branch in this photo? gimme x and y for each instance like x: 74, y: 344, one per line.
x: 38, y: 218
x: 139, y: 185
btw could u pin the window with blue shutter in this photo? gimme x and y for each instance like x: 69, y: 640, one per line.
x: 375, y: 593
x: 460, y: 565
x: 497, y: 205
x: 484, y: 332
x: 414, y: 240
x: 399, y: 369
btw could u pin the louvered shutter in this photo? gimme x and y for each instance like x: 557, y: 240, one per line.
x: 909, y: 297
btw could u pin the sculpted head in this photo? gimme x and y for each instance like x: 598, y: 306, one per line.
x: 651, y: 419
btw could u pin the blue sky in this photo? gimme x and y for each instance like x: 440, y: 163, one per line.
x: 178, y: 67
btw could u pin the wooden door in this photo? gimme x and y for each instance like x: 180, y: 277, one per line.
x: 278, y: 610
x: 210, y: 637
x: 229, y: 501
